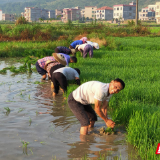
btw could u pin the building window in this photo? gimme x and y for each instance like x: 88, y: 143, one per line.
x: 130, y: 8
x: 92, y: 8
x: 97, y: 15
x: 143, y: 10
x: 143, y: 15
x: 114, y: 8
x: 92, y: 11
x: 97, y: 11
x: 146, y: 10
x: 117, y: 14
x: 92, y: 15
x: 130, y: 14
x: 102, y: 11
x: 121, y: 8
x: 117, y: 8
x: 114, y: 14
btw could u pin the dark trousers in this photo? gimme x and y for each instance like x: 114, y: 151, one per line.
x: 59, y: 79
x: 40, y: 70
x: 84, y: 113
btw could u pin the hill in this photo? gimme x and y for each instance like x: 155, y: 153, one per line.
x: 17, y: 6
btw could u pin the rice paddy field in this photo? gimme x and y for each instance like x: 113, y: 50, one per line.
x: 34, y: 125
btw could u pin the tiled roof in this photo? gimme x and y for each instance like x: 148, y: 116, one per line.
x: 105, y: 8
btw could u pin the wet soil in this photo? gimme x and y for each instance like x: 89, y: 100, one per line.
x: 40, y: 127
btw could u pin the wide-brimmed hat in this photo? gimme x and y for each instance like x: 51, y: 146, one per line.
x: 96, y: 45
x: 60, y: 58
x: 47, y: 62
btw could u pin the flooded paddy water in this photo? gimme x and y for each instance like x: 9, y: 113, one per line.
x: 37, y: 126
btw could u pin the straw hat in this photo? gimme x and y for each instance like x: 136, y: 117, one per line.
x: 47, y: 62
x: 60, y: 58
x: 96, y: 45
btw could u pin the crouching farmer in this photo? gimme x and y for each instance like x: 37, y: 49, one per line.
x: 60, y: 76
x: 97, y: 93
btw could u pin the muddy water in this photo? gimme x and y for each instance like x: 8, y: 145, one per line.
x: 40, y: 127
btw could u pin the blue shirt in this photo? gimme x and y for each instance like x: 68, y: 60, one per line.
x: 77, y: 42
x: 67, y: 58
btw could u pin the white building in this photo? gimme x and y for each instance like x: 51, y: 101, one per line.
x: 0, y: 15
x: 104, y: 13
x: 35, y: 13
x: 123, y: 11
x: 157, y: 12
x: 143, y: 15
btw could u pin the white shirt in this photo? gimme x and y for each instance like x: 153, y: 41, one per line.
x: 87, y: 92
x: 68, y: 72
x: 82, y: 46
x: 89, y: 42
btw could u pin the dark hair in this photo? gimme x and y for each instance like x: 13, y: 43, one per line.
x: 79, y: 72
x: 121, y: 81
x: 74, y: 59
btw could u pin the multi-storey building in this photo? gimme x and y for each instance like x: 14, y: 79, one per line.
x: 123, y: 11
x: 58, y: 12
x: 71, y: 14
x: 8, y: 17
x: 151, y: 12
x: 90, y: 12
x: 35, y: 13
x: 82, y: 14
x: 0, y: 15
x: 143, y: 15
x: 157, y: 12
x: 104, y: 13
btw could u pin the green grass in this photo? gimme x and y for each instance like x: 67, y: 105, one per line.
x: 137, y: 106
x: 133, y: 59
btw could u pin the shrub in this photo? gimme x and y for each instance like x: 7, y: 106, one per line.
x: 21, y: 20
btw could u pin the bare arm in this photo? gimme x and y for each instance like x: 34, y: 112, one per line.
x: 104, y: 107
x: 103, y: 112
x: 98, y: 109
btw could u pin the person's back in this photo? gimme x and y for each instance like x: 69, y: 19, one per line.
x: 77, y: 42
x: 86, y: 93
x: 42, y: 61
x: 68, y: 72
x: 65, y: 50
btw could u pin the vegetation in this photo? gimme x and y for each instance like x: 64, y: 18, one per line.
x: 130, y: 53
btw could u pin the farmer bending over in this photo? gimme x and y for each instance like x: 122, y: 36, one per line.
x: 97, y: 93
x: 84, y: 49
x: 69, y: 59
x: 60, y: 77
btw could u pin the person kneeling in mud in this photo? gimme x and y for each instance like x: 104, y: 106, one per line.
x: 60, y: 76
x: 97, y: 93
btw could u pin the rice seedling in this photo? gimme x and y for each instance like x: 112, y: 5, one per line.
x: 24, y: 147
x: 7, y: 109
x: 20, y: 110
x: 30, y: 121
